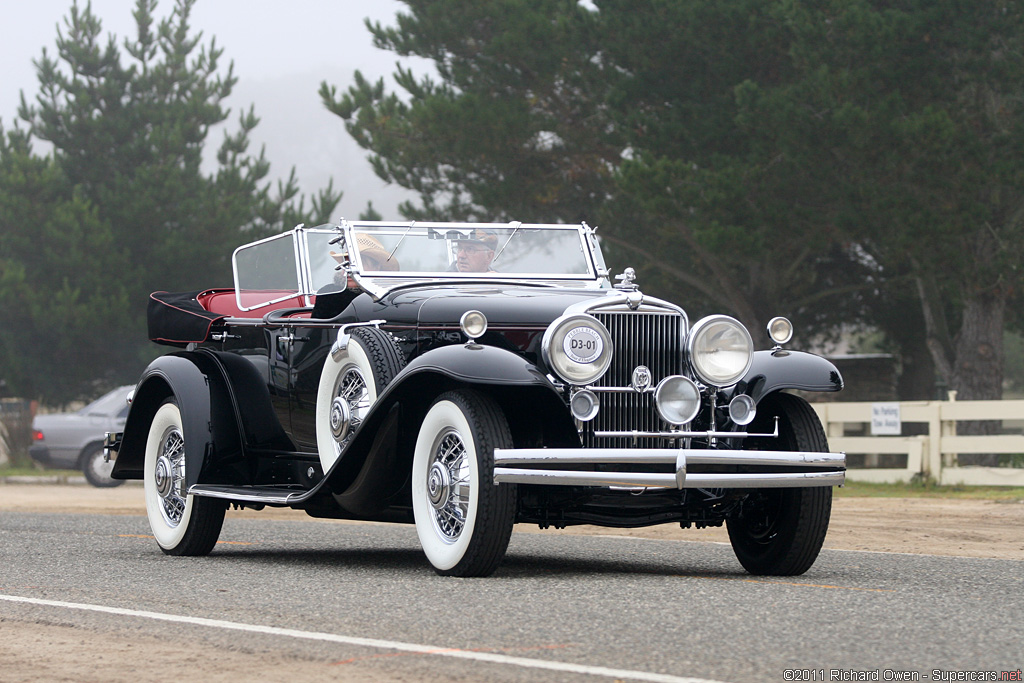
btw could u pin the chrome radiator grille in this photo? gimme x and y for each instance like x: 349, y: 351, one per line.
x: 650, y: 338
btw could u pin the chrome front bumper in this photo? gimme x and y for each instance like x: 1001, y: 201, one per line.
x: 511, y: 466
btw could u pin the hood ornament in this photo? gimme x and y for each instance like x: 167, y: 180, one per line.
x: 627, y: 277
x: 633, y: 295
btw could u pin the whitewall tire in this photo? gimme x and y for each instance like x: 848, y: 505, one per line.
x: 350, y: 383
x: 463, y: 520
x: 182, y: 524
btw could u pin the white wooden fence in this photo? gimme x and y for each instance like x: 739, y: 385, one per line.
x: 934, y: 454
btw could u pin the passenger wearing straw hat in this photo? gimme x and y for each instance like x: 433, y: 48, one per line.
x: 373, y: 256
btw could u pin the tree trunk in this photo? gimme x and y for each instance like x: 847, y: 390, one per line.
x: 978, y: 366
x: 917, y: 379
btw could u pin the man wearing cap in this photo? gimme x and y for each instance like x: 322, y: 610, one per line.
x: 474, y: 254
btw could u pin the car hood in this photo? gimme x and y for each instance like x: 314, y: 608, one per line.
x: 508, y: 305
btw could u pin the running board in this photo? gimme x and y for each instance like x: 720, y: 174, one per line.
x: 267, y: 495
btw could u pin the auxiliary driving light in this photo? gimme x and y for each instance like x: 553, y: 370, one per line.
x: 584, y: 405
x: 742, y: 410
x: 473, y: 324
x: 677, y: 399
x: 780, y: 330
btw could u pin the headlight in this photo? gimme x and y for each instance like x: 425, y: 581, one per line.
x: 720, y: 350
x: 577, y: 347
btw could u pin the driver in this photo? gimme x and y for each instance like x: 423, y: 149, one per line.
x: 474, y: 255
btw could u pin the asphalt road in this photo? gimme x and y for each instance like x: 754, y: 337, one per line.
x: 582, y: 608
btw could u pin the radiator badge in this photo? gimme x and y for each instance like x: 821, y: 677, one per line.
x: 641, y: 379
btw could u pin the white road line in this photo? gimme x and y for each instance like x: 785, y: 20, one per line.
x: 372, y: 642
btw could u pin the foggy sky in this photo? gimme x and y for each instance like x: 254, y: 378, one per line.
x: 281, y: 54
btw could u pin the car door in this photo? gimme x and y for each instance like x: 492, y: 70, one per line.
x: 307, y: 349
x: 279, y: 374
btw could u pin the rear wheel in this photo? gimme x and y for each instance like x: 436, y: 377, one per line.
x: 779, y: 532
x: 182, y: 523
x: 96, y: 471
x: 463, y: 519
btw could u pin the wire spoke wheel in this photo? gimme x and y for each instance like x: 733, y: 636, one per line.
x: 463, y: 519
x: 169, y: 476
x: 350, y: 382
x: 352, y: 398
x: 182, y: 524
x: 449, y: 485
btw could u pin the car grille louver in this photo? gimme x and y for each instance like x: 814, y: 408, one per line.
x: 650, y: 338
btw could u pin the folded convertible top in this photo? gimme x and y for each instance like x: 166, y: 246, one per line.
x: 178, y: 319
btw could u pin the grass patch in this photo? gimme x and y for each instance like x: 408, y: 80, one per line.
x: 30, y: 471
x: 857, y: 489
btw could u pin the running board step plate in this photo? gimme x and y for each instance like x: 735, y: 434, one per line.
x: 267, y: 495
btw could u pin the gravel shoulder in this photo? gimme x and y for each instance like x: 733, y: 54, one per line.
x: 930, y: 526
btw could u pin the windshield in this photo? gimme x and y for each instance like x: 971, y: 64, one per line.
x: 383, y: 255
x: 470, y: 250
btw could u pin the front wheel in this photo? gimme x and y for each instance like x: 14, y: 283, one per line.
x: 463, y: 519
x: 96, y: 471
x: 779, y: 532
x: 182, y: 523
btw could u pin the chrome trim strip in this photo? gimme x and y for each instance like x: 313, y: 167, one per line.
x: 670, y: 481
x: 621, y: 390
x: 665, y: 456
x: 508, y: 467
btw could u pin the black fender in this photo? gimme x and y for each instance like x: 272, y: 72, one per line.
x: 224, y: 405
x: 477, y: 364
x: 780, y: 369
x: 536, y: 410
x: 375, y: 467
x: 175, y: 375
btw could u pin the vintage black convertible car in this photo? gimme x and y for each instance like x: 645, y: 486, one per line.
x: 466, y: 377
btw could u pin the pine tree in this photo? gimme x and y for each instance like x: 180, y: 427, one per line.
x: 841, y: 162
x: 127, y: 200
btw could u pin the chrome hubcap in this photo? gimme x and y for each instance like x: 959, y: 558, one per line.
x: 169, y: 476
x: 163, y: 476
x: 448, y: 486
x: 438, y: 485
x: 340, y: 418
x: 351, y: 399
